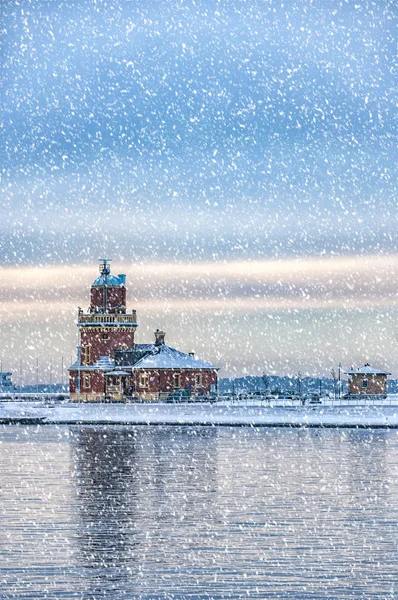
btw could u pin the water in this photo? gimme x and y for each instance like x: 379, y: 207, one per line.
x: 165, y: 512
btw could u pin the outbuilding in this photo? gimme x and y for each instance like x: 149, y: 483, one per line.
x: 367, y: 381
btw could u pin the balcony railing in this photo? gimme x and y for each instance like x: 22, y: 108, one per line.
x: 95, y: 318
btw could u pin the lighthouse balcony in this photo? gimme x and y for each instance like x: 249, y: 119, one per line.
x: 90, y: 319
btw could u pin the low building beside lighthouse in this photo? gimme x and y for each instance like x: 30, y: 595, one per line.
x: 111, y: 366
x: 154, y: 371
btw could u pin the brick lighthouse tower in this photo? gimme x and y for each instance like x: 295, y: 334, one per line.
x: 106, y: 327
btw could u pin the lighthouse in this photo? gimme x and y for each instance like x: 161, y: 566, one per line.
x: 104, y: 328
x: 110, y: 366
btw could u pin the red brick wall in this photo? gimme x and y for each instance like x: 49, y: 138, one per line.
x: 96, y: 382
x: 377, y: 384
x: 163, y: 380
x: 101, y: 347
x: 116, y: 296
x: 158, y: 381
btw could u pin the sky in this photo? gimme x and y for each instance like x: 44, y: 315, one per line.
x: 236, y: 159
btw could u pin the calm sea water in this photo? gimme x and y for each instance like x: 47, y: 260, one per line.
x: 165, y: 512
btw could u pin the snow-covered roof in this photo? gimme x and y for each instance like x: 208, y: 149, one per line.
x: 116, y: 372
x: 164, y: 357
x: 155, y: 357
x: 367, y: 370
x: 144, y: 347
x: 104, y: 363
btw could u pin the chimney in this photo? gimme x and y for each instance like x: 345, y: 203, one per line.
x: 122, y: 278
x: 159, y: 337
x: 192, y: 354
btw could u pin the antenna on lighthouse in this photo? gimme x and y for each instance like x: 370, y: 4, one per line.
x: 104, y: 266
x: 105, y: 269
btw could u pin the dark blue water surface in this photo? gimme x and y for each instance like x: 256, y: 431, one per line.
x: 165, y: 512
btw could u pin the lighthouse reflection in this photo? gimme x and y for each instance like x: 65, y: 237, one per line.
x: 132, y: 484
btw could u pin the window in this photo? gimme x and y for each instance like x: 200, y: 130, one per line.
x: 176, y: 380
x: 86, y: 381
x: 87, y: 355
x: 364, y: 383
x: 198, y: 379
x: 143, y: 379
x: 105, y: 336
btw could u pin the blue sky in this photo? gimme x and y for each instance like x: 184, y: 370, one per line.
x: 197, y: 131
x: 275, y: 122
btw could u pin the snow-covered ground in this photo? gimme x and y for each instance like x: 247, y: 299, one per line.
x: 204, y: 414
x: 390, y: 400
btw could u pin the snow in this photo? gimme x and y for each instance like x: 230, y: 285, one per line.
x: 116, y: 372
x: 109, y: 280
x: 367, y: 369
x: 203, y: 414
x: 239, y: 161
x: 164, y: 357
x: 158, y: 357
x: 104, y: 363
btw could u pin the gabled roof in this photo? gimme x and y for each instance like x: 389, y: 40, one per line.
x: 164, y: 357
x: 133, y: 354
x: 143, y: 347
x: 367, y: 370
x: 150, y: 356
x: 104, y: 363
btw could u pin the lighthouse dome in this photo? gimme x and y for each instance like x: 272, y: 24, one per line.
x: 108, y: 280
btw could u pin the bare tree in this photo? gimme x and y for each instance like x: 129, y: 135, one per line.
x: 334, y: 377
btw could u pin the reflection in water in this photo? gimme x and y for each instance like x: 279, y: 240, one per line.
x: 131, y: 484
x: 105, y: 490
x: 165, y: 512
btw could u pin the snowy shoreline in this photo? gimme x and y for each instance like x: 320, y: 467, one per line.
x: 203, y: 415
